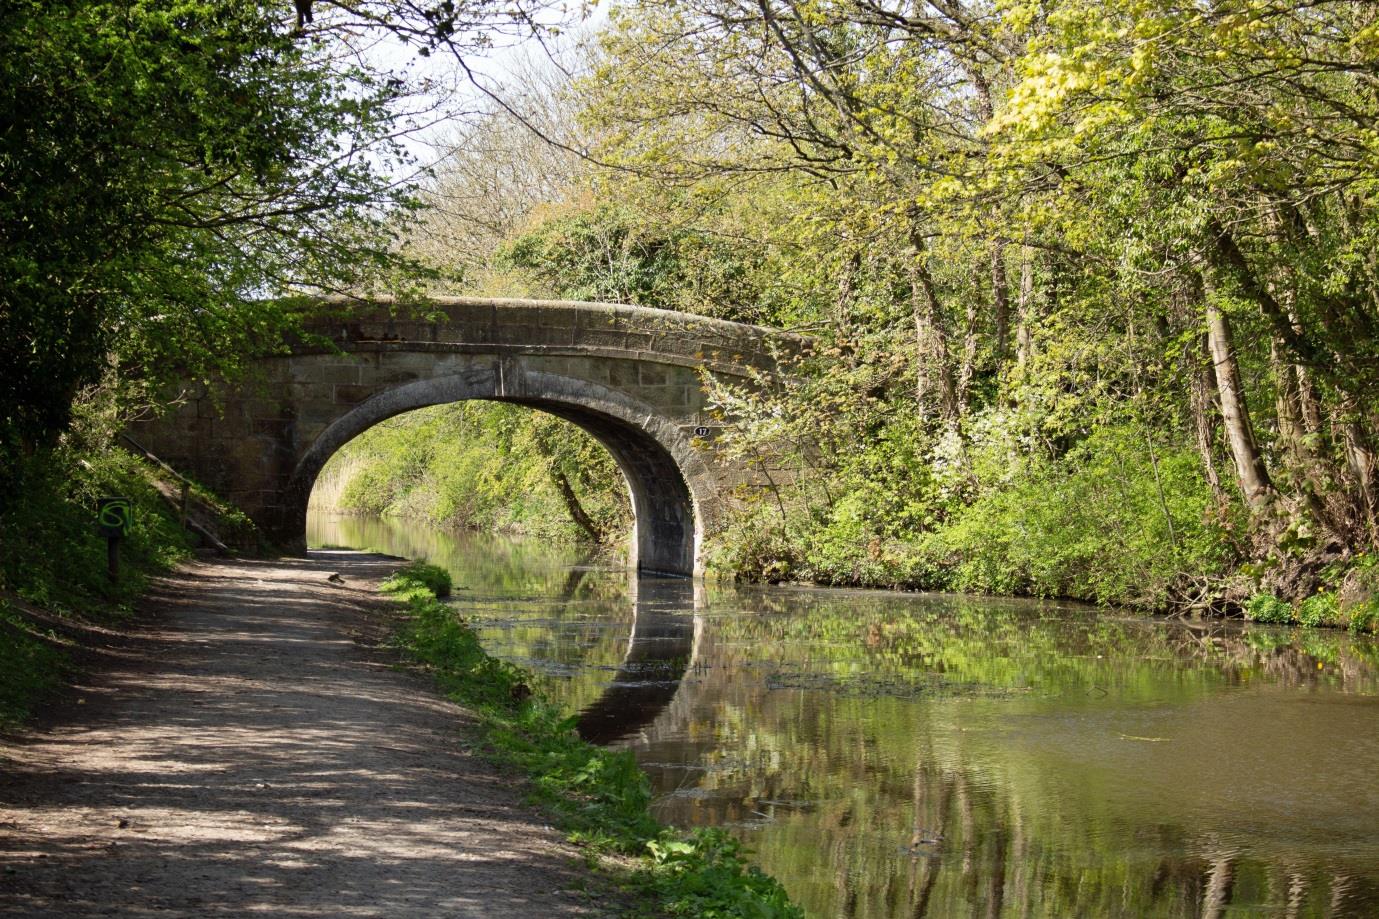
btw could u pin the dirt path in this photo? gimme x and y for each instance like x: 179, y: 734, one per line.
x: 250, y: 753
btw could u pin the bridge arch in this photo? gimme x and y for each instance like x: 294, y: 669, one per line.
x: 658, y: 462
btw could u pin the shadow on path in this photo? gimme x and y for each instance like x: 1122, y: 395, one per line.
x: 254, y: 752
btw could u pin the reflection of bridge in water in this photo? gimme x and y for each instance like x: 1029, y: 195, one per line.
x: 661, y: 650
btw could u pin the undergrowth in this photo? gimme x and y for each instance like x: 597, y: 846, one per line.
x: 53, y: 562
x: 31, y: 664
x: 599, y: 797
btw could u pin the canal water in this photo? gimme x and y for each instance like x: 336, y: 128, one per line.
x: 900, y: 755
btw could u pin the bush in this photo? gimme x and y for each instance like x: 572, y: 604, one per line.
x: 1107, y: 520
x: 53, y: 558
x: 422, y: 576
x: 1319, y: 609
x: 1364, y: 617
x: 57, y: 560
x: 30, y: 665
x: 1268, y: 608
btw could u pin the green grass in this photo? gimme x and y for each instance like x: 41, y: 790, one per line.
x: 599, y: 797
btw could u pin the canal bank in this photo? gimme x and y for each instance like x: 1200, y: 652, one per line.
x: 253, y: 748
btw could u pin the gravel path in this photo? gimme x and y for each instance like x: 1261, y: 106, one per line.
x: 251, y: 752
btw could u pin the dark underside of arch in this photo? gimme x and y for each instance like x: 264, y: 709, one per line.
x: 661, y: 501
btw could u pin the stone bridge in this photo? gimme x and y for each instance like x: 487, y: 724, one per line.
x: 631, y: 377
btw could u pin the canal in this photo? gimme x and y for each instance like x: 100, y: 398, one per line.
x: 901, y: 755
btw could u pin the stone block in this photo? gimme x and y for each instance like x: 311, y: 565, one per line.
x: 299, y: 393
x: 353, y: 394
x: 474, y: 325
x: 393, y: 375
x: 653, y: 374
x: 308, y: 431
x: 271, y: 427
x: 557, y: 317
x: 330, y: 371
x: 622, y: 374
x: 603, y: 338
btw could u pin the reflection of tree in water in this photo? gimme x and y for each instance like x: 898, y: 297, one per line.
x: 811, y: 779
x: 1000, y: 644
x: 862, y: 743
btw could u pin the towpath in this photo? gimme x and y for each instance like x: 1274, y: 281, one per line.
x: 251, y: 751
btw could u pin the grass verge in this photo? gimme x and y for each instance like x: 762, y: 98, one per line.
x: 599, y: 797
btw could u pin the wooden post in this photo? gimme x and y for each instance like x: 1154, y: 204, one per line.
x: 112, y: 558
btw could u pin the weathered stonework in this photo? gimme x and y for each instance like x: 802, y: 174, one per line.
x: 629, y: 376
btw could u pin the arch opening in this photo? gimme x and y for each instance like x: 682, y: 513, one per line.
x: 657, y: 462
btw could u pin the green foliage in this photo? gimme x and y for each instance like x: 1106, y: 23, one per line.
x: 1107, y: 521
x: 1364, y: 616
x: 56, y: 559
x: 1319, y: 609
x: 480, y: 466
x: 608, y: 253
x: 599, y: 796
x: 170, y: 167
x: 53, y: 559
x: 420, y: 576
x: 30, y: 665
x: 1268, y: 608
x: 703, y: 876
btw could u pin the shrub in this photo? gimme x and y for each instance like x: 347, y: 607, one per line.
x: 1364, y: 617
x: 420, y: 575
x: 53, y: 558
x: 1268, y: 608
x: 1319, y: 609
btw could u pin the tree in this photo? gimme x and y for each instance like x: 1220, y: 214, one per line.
x: 170, y: 168
x: 1072, y: 225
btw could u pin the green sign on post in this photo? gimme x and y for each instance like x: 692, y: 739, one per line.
x: 114, y: 516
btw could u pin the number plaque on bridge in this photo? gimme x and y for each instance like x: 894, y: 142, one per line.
x: 701, y: 431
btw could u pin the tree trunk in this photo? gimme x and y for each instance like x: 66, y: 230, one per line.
x: 1363, y: 465
x: 1000, y: 290
x: 1306, y: 467
x: 969, y: 356
x: 577, y: 512
x: 1216, y: 899
x: 1203, y: 400
x: 846, y: 280
x: 1254, y: 479
x: 931, y: 335
x: 1024, y: 331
